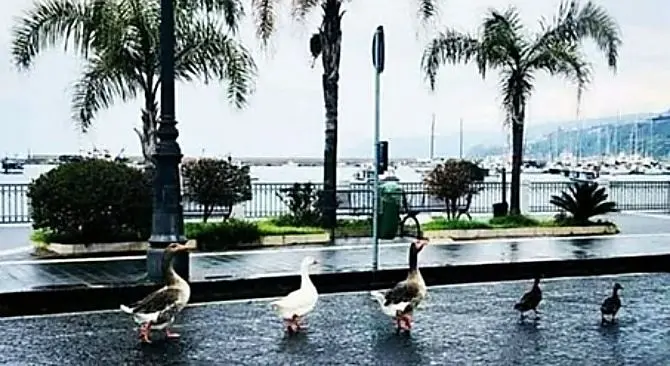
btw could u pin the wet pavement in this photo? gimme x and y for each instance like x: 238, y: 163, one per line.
x: 456, y: 325
x: 40, y: 274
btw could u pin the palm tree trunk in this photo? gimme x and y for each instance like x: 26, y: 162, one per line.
x: 517, y: 158
x: 147, y: 136
x: 331, y: 38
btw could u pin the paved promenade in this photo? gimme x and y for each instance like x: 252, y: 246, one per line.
x: 455, y: 325
x: 42, y: 274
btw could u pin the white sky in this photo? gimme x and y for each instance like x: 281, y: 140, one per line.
x: 285, y: 117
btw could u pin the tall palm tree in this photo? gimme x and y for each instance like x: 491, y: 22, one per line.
x: 325, y: 42
x: 502, y: 45
x: 119, y: 41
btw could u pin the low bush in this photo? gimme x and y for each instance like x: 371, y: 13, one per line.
x: 91, y: 201
x: 304, y: 202
x: 583, y: 200
x: 222, y: 235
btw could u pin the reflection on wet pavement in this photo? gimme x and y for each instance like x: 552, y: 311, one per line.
x: 16, y: 276
x: 456, y: 325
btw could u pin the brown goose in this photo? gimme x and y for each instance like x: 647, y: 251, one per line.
x: 530, y: 300
x: 158, y: 310
x: 611, y: 305
x: 400, y: 301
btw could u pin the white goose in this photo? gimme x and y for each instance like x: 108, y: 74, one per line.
x: 295, y: 305
x: 158, y: 309
x: 400, y: 301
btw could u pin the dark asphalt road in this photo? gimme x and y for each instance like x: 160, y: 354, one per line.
x: 459, y: 325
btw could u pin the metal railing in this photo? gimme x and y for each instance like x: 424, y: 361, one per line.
x: 356, y: 199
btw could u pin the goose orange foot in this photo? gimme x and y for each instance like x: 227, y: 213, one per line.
x: 144, y: 333
x: 404, y: 322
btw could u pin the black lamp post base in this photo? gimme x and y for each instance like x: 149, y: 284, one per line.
x: 180, y: 262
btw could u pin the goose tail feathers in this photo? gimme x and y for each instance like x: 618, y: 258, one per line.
x: 378, y: 296
x: 126, y: 309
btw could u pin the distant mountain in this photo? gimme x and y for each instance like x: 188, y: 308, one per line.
x: 542, y: 139
x: 598, y: 136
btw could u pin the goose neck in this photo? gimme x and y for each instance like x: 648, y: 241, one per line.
x: 413, y: 260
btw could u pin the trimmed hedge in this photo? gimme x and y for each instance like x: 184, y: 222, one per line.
x: 92, y: 201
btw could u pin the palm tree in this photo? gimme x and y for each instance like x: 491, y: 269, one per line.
x: 325, y: 42
x: 118, y: 39
x: 503, y: 45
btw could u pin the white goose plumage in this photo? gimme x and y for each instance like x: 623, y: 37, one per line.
x: 292, y: 307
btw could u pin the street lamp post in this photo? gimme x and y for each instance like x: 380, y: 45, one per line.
x: 167, y: 221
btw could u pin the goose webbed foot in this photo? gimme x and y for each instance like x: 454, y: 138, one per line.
x: 404, y: 323
x: 144, y: 333
x: 293, y: 325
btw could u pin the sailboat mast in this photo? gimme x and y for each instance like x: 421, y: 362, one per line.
x: 461, y: 139
x: 431, y: 152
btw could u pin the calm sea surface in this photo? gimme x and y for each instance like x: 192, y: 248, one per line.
x: 291, y: 174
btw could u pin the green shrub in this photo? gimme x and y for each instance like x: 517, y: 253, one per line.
x: 452, y: 181
x: 584, y: 200
x: 216, y: 183
x: 222, y: 235
x: 304, y: 203
x: 92, y: 201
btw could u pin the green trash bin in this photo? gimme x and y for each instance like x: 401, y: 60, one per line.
x: 390, y: 202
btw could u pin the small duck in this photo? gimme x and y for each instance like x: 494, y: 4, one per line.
x: 294, y: 306
x: 158, y: 309
x: 530, y: 300
x: 611, y: 305
x: 400, y: 301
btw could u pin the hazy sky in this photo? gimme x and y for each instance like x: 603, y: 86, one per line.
x: 285, y: 116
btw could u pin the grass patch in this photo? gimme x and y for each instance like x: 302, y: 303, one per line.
x: 441, y: 223
x: 518, y: 221
x: 269, y: 227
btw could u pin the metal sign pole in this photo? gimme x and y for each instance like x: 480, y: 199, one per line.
x: 375, y: 210
x: 378, y: 62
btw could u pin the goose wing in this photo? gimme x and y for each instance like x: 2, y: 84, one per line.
x: 157, y: 301
x: 403, y: 292
x: 610, y: 305
x: 529, y: 300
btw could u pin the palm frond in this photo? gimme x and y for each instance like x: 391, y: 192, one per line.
x: 300, y: 8
x: 266, y: 19
x: 448, y: 47
x: 584, y: 200
x: 101, y: 83
x: 232, y: 11
x: 48, y: 23
x: 502, y: 42
x: 563, y: 59
x: 428, y: 10
x: 573, y: 23
x: 516, y: 87
x: 205, y: 52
